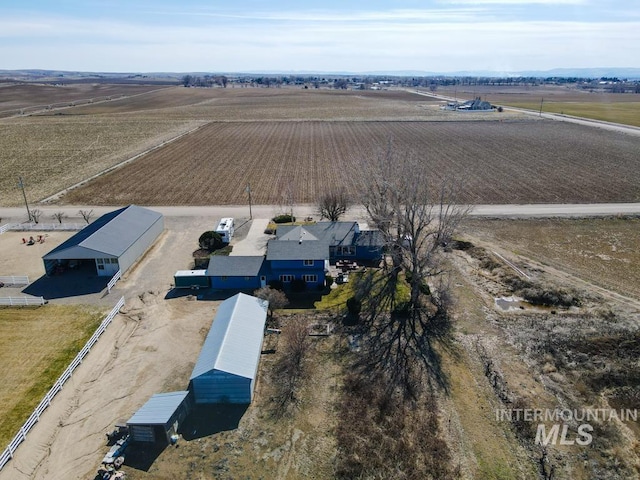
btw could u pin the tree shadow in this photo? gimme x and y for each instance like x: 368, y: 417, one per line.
x: 206, y: 420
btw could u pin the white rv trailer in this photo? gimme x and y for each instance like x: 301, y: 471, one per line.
x: 225, y: 229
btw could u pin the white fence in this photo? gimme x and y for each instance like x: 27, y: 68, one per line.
x: 21, y: 301
x: 15, y: 280
x: 113, y: 280
x: 46, y: 401
x: 42, y: 227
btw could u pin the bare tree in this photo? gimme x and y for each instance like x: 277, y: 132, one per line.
x: 333, y: 204
x: 289, y: 370
x: 287, y: 196
x: 86, y: 215
x: 276, y: 298
x: 59, y: 216
x: 416, y: 215
x: 36, y: 213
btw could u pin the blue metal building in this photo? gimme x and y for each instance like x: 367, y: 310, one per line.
x: 227, y: 368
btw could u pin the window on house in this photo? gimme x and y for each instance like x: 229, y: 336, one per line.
x: 348, y: 250
x: 247, y: 279
x: 100, y: 261
x: 224, y: 279
x: 308, y: 263
x: 286, y: 278
x: 311, y: 278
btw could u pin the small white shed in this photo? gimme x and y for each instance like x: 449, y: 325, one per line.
x: 227, y: 368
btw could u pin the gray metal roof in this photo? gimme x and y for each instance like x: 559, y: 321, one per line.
x: 332, y: 233
x: 221, y: 265
x: 234, y: 342
x: 110, y: 235
x: 297, y: 233
x: 294, y: 250
x: 159, y: 409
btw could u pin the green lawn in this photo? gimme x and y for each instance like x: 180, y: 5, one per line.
x: 627, y: 113
x: 36, y: 346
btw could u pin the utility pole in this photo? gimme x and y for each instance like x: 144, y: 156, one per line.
x: 541, y: 100
x: 24, y: 195
x: 248, y: 190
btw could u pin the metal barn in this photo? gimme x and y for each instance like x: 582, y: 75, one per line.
x: 113, y: 242
x: 160, y: 417
x: 227, y: 369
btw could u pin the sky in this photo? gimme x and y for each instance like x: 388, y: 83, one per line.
x: 326, y: 36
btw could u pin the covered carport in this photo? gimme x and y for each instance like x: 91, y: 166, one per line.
x: 112, y: 243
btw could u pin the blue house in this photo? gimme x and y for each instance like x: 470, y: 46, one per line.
x: 344, y: 240
x: 300, y: 253
x: 237, y: 273
x: 305, y: 258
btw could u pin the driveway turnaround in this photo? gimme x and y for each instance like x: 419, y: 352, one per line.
x: 255, y: 243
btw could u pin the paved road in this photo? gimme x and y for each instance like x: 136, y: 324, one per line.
x: 16, y: 214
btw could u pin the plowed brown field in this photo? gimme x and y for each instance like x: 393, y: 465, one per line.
x: 26, y: 97
x: 528, y: 161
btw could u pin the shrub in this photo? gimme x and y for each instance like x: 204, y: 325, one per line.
x: 210, y: 241
x: 328, y: 281
x: 284, y: 218
x: 276, y: 284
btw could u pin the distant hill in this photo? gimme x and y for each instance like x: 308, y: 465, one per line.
x: 31, y: 75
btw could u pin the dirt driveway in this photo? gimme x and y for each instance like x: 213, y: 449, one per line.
x: 150, y: 348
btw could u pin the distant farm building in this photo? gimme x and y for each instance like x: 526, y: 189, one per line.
x: 113, y: 242
x: 159, y: 418
x: 474, y: 105
x: 227, y: 368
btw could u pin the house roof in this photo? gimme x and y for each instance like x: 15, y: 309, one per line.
x: 370, y: 238
x: 330, y: 233
x: 298, y: 234
x: 110, y: 235
x: 228, y: 266
x: 159, y: 409
x: 295, y: 250
x: 234, y: 342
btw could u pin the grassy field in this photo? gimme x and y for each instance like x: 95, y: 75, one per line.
x: 524, y: 161
x: 603, y: 251
x: 36, y: 345
x: 619, y: 112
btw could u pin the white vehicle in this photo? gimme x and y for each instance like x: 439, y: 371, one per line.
x: 225, y: 229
